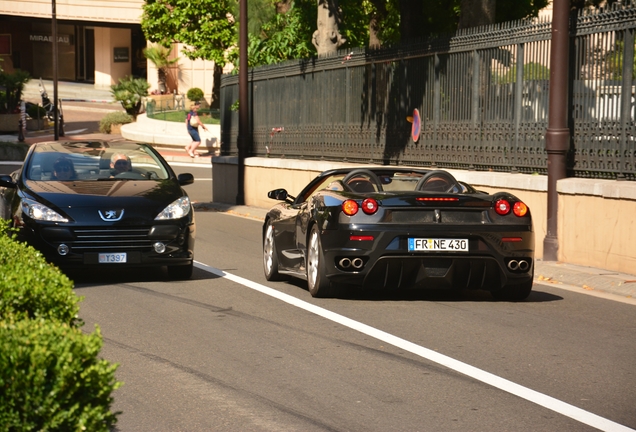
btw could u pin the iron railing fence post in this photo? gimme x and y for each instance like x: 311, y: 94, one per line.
x: 627, y: 155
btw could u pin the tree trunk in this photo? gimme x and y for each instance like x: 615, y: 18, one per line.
x: 161, y: 78
x: 215, y: 103
x: 374, y: 27
x: 411, y: 19
x: 476, y: 13
x: 374, y: 23
x: 327, y: 39
x: 283, y: 6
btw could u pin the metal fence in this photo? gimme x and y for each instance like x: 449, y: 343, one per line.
x: 482, y: 96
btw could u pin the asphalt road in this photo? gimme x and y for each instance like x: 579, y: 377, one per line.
x: 229, y: 351
x: 223, y: 353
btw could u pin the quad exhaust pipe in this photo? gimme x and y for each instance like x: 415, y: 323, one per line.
x: 356, y: 263
x: 521, y: 265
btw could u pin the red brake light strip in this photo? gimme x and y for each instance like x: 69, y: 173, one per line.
x: 436, y: 199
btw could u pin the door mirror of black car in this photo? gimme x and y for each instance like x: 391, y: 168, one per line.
x: 278, y: 194
x: 185, y: 179
x: 7, y: 181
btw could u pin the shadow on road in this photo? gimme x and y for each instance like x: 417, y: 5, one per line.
x: 354, y: 293
x: 93, y: 277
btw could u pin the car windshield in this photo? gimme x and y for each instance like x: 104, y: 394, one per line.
x: 97, y: 161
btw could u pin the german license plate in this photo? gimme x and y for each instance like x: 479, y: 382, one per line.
x: 438, y: 245
x: 112, y: 258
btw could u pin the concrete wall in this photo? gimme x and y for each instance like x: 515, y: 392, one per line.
x: 120, y: 11
x: 185, y: 74
x: 596, y: 225
x: 107, y: 72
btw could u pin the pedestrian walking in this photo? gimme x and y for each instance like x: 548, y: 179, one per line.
x: 193, y: 123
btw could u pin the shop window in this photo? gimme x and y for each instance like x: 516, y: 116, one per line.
x: 5, y: 44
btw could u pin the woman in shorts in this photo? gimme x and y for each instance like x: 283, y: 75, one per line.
x: 193, y: 123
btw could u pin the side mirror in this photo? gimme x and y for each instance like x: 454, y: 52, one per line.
x: 278, y: 194
x: 185, y: 179
x: 7, y: 181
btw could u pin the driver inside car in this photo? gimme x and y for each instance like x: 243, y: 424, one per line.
x: 119, y: 163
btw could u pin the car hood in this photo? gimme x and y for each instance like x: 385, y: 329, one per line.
x: 147, y: 198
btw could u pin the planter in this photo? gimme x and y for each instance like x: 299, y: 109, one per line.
x: 115, y: 129
x: 10, y: 122
x: 35, y: 124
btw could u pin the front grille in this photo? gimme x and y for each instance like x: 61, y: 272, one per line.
x: 105, y: 239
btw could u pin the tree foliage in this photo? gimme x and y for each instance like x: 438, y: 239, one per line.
x: 206, y: 27
x: 282, y: 30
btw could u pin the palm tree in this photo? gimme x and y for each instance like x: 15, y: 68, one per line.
x: 160, y: 57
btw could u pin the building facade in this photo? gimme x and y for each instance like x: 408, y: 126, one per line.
x: 99, y: 42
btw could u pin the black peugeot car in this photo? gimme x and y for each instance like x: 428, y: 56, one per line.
x: 102, y: 204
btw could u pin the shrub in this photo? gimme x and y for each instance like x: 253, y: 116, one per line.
x: 115, y: 117
x: 195, y: 94
x: 13, y: 85
x: 52, y: 379
x: 36, y: 111
x: 129, y: 92
x: 32, y: 288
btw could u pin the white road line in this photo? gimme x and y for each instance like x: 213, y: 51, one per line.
x: 545, y: 401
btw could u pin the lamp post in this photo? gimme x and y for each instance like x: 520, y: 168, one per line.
x: 243, y: 126
x: 56, y: 131
x: 557, y: 137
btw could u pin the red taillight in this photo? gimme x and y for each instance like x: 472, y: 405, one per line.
x: 361, y: 238
x: 502, y: 207
x: 511, y: 239
x: 520, y: 209
x: 350, y: 207
x: 369, y: 206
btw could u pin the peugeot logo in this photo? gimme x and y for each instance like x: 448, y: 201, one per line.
x: 111, y: 215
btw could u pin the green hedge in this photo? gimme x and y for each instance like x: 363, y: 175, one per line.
x: 113, y: 118
x: 32, y: 288
x: 50, y: 376
x: 52, y: 380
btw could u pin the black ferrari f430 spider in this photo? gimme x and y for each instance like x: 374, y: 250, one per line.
x: 399, y: 228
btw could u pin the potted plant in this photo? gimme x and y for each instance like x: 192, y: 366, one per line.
x: 195, y: 94
x: 129, y: 92
x: 160, y: 57
x: 11, y: 88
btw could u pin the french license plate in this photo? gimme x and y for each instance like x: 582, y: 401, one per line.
x: 112, y: 258
x: 438, y: 245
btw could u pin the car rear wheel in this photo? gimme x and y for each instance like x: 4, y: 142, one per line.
x: 181, y: 272
x: 516, y: 292
x: 270, y: 256
x: 319, y: 285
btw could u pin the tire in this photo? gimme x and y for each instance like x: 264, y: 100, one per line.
x: 516, y: 292
x: 317, y: 282
x: 181, y: 272
x: 270, y: 256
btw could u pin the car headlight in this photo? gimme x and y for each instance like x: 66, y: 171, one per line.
x: 38, y: 211
x: 176, y: 210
